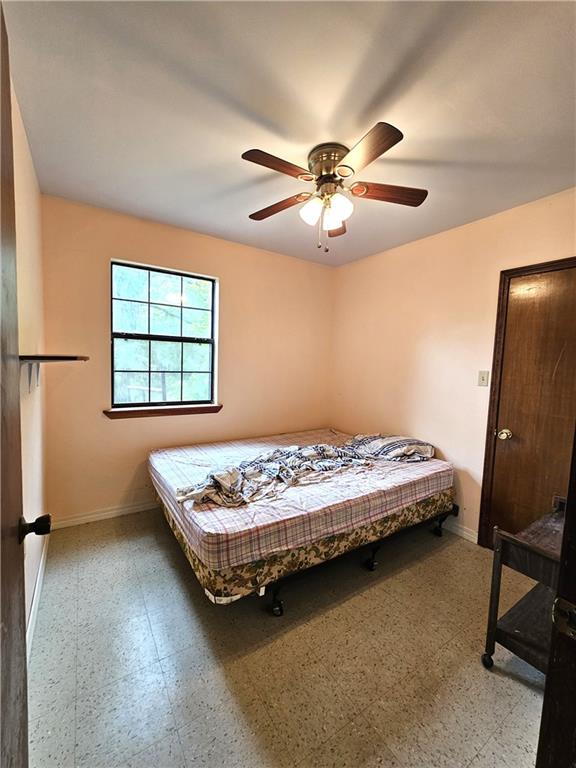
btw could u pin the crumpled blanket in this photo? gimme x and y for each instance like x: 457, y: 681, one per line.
x: 392, y: 448
x: 274, y: 471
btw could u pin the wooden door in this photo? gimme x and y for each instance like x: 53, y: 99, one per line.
x: 13, y: 704
x: 533, y: 398
x: 557, y: 747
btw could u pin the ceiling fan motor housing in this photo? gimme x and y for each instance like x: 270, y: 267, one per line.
x: 324, y: 158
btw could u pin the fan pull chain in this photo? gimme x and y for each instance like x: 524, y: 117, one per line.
x: 321, y: 232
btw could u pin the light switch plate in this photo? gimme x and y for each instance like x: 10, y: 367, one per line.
x: 483, y: 378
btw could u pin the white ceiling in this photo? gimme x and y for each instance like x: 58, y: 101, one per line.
x: 147, y: 107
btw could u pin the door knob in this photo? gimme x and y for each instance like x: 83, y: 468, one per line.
x: 504, y: 434
x: 40, y: 526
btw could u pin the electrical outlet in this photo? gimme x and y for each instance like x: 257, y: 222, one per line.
x: 483, y: 378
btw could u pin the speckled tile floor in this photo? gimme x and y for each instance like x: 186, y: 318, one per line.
x: 133, y: 667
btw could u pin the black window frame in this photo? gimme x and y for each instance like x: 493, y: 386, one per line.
x: 210, y: 341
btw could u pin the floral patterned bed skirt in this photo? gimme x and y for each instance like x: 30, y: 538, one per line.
x: 229, y: 584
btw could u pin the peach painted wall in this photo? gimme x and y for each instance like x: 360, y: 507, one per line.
x: 414, y: 325
x: 30, y: 331
x: 393, y: 342
x: 275, y: 320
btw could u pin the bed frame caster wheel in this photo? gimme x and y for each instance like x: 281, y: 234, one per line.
x: 487, y: 661
x: 277, y: 608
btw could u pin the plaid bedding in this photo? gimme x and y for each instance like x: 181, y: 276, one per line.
x: 226, y: 536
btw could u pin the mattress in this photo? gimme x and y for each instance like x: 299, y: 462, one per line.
x: 222, y: 536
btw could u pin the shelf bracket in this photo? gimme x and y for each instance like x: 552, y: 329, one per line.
x: 33, y: 372
x: 32, y: 362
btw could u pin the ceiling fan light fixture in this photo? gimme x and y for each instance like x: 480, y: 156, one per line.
x: 331, y: 220
x: 310, y: 212
x: 342, y: 206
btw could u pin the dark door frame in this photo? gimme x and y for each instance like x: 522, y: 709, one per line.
x: 13, y: 699
x: 486, y: 522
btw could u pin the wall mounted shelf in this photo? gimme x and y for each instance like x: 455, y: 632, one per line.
x: 33, y: 362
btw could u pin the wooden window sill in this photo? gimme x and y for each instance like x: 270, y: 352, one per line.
x: 162, y: 410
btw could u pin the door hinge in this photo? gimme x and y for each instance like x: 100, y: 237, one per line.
x: 564, y: 617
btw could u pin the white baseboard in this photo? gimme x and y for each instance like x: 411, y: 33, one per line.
x: 454, y: 526
x: 104, y: 514
x: 31, y: 626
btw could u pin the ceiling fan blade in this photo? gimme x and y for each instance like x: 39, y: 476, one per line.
x: 276, y: 164
x: 377, y: 141
x: 264, y: 213
x: 337, y: 232
x: 389, y: 193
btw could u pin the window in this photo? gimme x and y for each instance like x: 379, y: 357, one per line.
x: 163, y: 337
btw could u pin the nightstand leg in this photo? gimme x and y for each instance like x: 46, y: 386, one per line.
x: 494, y: 602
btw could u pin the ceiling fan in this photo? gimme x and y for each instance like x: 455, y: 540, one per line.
x: 329, y: 166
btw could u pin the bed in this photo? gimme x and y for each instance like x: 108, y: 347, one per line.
x: 238, y: 551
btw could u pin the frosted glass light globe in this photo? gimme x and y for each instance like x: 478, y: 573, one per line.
x: 331, y: 220
x: 310, y: 211
x: 342, y: 206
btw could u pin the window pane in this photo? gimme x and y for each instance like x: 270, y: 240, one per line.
x: 164, y: 387
x: 165, y: 289
x: 166, y: 356
x: 196, y: 386
x: 130, y: 388
x: 130, y: 355
x: 196, y: 322
x: 129, y: 283
x: 196, y: 357
x: 129, y: 317
x: 165, y: 320
x: 197, y: 293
